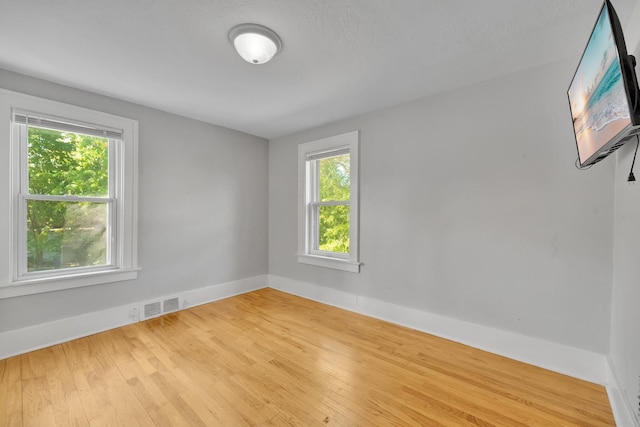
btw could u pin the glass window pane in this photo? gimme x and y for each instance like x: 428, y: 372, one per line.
x: 334, y: 178
x: 66, y: 234
x: 62, y: 163
x: 333, y: 229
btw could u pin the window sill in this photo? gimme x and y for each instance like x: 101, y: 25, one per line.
x: 335, y: 263
x: 49, y: 284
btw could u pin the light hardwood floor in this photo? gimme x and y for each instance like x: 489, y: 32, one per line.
x: 268, y: 358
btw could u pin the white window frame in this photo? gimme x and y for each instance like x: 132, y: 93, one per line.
x: 308, y: 206
x: 122, y: 199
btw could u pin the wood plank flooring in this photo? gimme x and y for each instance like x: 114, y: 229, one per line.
x: 267, y: 358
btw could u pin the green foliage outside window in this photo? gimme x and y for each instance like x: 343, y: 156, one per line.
x: 334, y: 176
x: 64, y: 234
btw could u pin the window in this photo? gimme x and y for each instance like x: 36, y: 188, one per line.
x: 73, y: 201
x: 328, y: 202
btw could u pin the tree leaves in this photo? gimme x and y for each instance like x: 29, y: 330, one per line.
x: 63, y: 163
x: 334, y: 186
x: 66, y: 234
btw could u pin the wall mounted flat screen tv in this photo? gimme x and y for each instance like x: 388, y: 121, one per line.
x: 603, y: 95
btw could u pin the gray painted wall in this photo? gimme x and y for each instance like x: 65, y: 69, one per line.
x: 624, y: 356
x: 202, y: 209
x: 471, y: 207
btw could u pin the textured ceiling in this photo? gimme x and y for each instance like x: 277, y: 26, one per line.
x: 340, y: 58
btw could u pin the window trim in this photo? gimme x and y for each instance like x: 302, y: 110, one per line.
x: 311, y: 151
x: 124, y: 263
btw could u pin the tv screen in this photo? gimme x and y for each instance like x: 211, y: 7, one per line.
x: 601, y: 90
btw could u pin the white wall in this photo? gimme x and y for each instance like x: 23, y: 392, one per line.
x: 471, y: 208
x: 202, y: 209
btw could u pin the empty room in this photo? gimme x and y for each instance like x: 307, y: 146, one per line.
x: 319, y: 213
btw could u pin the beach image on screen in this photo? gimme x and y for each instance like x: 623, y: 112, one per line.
x: 597, y: 96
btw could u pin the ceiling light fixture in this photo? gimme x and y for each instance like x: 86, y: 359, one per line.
x: 255, y: 43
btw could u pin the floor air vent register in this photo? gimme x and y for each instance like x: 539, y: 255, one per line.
x: 151, y: 309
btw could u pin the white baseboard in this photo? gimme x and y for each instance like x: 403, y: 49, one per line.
x: 620, y: 406
x: 578, y: 363
x: 35, y: 337
x: 224, y: 290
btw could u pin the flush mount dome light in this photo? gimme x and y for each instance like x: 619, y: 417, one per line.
x: 255, y: 44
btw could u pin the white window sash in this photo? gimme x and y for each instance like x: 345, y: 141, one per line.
x: 314, y: 229
x: 22, y: 120
x: 332, y: 203
x: 67, y: 198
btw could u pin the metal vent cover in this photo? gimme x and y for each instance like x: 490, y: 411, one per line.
x: 152, y: 309
x: 155, y: 308
x: 171, y: 304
